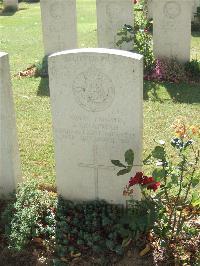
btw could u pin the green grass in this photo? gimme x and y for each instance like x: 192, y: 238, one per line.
x: 21, y: 37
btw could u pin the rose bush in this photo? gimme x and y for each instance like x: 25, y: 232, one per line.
x: 171, y: 193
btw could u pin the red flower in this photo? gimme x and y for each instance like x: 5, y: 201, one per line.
x: 137, y: 179
x: 147, y: 180
x: 154, y: 186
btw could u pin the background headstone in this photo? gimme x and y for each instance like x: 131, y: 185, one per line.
x: 59, y: 25
x: 111, y: 17
x: 9, y: 154
x: 194, y: 9
x: 150, y: 9
x: 10, y: 4
x: 172, y: 29
x: 97, y: 107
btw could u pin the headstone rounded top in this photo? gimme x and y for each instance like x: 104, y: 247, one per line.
x: 3, y: 54
x: 99, y: 51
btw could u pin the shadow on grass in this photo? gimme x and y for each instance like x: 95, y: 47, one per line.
x: 181, y: 93
x: 10, y: 12
x: 43, y: 88
x: 196, y: 33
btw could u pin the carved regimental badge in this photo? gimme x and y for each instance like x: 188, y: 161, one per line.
x: 93, y: 90
x: 172, y: 9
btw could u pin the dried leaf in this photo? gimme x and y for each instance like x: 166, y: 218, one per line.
x: 145, y: 250
x: 75, y: 255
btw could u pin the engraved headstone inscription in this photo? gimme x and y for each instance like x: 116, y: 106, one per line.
x: 9, y: 154
x: 172, y: 29
x: 96, y: 101
x: 59, y: 25
x: 111, y: 17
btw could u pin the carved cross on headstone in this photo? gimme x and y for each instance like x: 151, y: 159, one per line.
x: 97, y: 167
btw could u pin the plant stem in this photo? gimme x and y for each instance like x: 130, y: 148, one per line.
x: 181, y: 220
x: 174, y: 211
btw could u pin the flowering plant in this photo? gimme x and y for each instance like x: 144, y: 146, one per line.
x: 171, y: 192
x: 167, y: 70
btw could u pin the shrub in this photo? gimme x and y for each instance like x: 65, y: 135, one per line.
x: 140, y: 37
x: 171, y: 191
x: 22, y: 215
x: 167, y: 70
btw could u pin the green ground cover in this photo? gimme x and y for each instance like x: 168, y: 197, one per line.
x: 21, y: 37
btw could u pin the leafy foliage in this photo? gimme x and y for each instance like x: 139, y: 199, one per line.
x: 127, y: 166
x: 167, y: 70
x: 22, y: 216
x: 171, y: 209
x: 42, y: 68
x: 139, y: 35
x: 88, y: 227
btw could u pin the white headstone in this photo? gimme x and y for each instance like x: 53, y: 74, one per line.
x: 10, y: 4
x: 172, y: 29
x: 112, y: 15
x: 59, y: 25
x: 9, y: 154
x: 97, y: 107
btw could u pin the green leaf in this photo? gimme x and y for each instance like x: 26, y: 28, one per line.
x: 158, y: 174
x: 129, y: 157
x: 195, y: 182
x: 124, y: 171
x: 119, y: 250
x: 117, y: 163
x: 174, y: 179
x: 110, y: 244
x: 159, y: 153
x: 195, y: 199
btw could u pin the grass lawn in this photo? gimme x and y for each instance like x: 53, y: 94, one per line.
x: 21, y: 37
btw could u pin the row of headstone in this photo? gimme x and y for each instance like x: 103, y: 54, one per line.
x: 12, y: 4
x: 59, y: 23
x: 93, y: 120
x: 171, y: 35
x: 9, y: 154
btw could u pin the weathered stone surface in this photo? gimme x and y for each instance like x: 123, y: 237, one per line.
x: 111, y: 16
x: 172, y: 29
x: 59, y: 25
x: 9, y: 155
x: 10, y: 4
x: 97, y: 107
